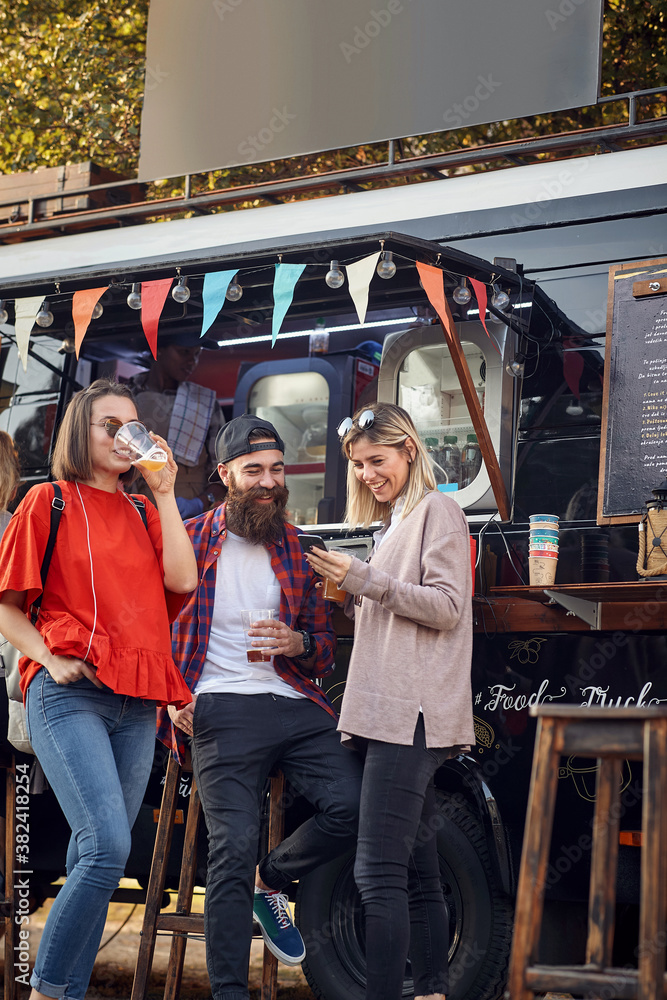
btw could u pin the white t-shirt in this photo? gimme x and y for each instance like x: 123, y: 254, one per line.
x: 244, y: 579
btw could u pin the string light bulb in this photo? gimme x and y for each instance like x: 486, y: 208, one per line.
x: 386, y: 267
x: 500, y: 299
x: 334, y: 276
x: 516, y: 367
x: 44, y: 317
x: 98, y: 309
x: 4, y: 315
x: 462, y: 294
x: 234, y: 290
x: 180, y: 292
x: 134, y: 298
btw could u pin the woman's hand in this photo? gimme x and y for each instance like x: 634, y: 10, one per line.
x: 184, y: 717
x: 66, y: 669
x: 160, y: 483
x: 331, y: 565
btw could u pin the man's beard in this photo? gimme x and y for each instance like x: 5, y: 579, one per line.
x: 260, y: 523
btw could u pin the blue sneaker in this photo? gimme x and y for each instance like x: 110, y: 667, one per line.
x: 280, y: 935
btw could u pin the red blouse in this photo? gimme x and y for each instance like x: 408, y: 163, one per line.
x: 131, y: 645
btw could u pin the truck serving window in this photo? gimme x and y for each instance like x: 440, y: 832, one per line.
x: 297, y: 404
x: 29, y: 402
x: 429, y: 390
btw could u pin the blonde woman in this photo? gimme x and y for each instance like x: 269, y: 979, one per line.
x: 10, y: 477
x: 407, y: 705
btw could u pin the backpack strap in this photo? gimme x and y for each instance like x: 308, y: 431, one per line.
x: 57, y: 508
x: 141, y: 508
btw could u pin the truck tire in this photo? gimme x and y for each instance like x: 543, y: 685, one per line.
x: 329, y: 916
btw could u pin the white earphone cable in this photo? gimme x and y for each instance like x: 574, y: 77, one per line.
x: 92, y: 573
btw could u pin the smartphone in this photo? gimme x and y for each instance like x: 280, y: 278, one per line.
x: 309, y: 542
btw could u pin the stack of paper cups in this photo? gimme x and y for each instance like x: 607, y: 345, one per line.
x: 543, y: 549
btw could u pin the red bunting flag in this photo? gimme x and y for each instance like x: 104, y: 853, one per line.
x: 83, y: 304
x: 480, y: 294
x: 153, y: 296
x: 433, y: 281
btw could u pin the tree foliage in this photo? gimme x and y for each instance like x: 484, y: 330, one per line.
x: 71, y: 82
x: 71, y: 87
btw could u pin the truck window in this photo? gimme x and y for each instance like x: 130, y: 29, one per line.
x: 297, y: 405
x: 428, y: 388
x: 29, y: 403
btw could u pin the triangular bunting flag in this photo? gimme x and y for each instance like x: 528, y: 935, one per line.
x: 433, y: 281
x: 153, y: 295
x: 359, y: 277
x: 284, y: 283
x: 214, y: 290
x: 83, y: 304
x: 479, y: 289
x: 25, y: 309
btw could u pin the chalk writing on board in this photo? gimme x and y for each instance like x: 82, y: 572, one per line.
x: 634, y: 446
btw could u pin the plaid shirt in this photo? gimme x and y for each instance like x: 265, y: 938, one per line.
x: 301, y: 607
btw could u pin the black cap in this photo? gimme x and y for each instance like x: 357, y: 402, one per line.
x: 233, y: 438
x: 187, y: 339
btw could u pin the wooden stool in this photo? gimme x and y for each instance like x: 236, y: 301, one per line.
x: 611, y: 735
x: 183, y: 921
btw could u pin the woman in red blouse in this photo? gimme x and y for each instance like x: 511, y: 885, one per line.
x: 98, y: 660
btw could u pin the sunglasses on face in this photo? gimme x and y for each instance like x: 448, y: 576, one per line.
x: 112, y: 425
x: 363, y: 422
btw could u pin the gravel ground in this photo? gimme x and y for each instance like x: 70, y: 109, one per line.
x: 114, y: 968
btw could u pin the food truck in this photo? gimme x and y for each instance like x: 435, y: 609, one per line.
x: 508, y: 396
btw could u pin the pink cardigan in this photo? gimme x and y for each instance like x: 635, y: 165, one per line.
x: 413, y: 632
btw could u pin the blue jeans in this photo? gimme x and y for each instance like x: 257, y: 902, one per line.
x: 238, y: 739
x: 397, y: 871
x: 96, y: 749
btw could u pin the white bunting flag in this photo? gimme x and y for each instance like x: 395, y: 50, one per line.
x: 26, y: 311
x: 359, y: 277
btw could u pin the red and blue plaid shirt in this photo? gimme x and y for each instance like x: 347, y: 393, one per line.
x: 301, y: 607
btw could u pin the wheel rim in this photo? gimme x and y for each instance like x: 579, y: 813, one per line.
x: 347, y: 925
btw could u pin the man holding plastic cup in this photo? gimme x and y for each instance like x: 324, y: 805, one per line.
x: 247, y: 718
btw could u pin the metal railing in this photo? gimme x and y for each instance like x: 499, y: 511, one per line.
x: 604, y: 138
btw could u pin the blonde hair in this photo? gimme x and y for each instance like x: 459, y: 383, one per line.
x: 10, y: 470
x: 71, y: 455
x: 392, y: 426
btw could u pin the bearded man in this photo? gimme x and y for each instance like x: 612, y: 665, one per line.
x: 247, y: 718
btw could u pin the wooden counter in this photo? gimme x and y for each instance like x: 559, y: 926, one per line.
x: 575, y: 607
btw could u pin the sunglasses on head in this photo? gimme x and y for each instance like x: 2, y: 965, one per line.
x: 112, y: 425
x: 363, y: 422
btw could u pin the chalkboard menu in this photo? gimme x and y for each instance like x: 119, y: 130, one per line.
x: 633, y: 455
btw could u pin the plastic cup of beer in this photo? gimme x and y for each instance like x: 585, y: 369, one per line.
x: 332, y: 591
x: 133, y: 440
x: 255, y: 654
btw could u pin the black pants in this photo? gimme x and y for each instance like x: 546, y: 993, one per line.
x: 397, y: 870
x: 238, y: 740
